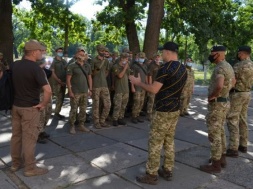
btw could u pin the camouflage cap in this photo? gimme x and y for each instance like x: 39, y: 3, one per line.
x: 1, y: 54
x: 57, y: 48
x: 124, y: 55
x: 142, y: 55
x: 78, y: 49
x: 100, y: 47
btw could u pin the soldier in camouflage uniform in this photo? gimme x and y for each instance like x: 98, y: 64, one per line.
x: 79, y: 84
x: 139, y: 68
x: 58, y: 68
x: 188, y: 89
x: 168, y: 85
x: 100, y: 92
x: 240, y: 97
x: 222, y: 80
x: 152, y: 72
x: 121, y: 72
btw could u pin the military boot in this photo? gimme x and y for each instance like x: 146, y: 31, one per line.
x: 72, y: 129
x: 83, y: 128
x: 223, y: 161
x: 215, y: 167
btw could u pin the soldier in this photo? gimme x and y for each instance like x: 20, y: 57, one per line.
x: 100, y: 69
x: 45, y: 114
x: 121, y: 72
x: 58, y: 68
x: 79, y: 84
x: 152, y: 72
x: 222, y: 80
x: 3, y: 61
x: 169, y: 83
x: 139, y: 68
x: 240, y: 97
x: 77, y: 51
x: 188, y: 89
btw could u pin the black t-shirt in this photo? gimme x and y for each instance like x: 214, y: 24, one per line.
x: 173, y: 76
x: 28, y: 79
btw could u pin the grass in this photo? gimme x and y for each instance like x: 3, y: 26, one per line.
x: 199, y: 78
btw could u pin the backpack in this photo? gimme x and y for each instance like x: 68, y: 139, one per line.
x: 6, y: 91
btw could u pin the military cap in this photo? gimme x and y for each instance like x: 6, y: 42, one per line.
x: 142, y: 55
x: 217, y: 48
x: 78, y: 49
x: 244, y: 48
x: 100, y: 47
x: 34, y: 45
x: 171, y: 46
x: 1, y: 54
x: 124, y: 55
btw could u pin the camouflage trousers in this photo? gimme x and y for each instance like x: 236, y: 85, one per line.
x: 162, y: 133
x: 215, y: 119
x: 150, y: 104
x: 139, y: 97
x: 45, y: 115
x: 237, y: 119
x: 60, y: 94
x: 100, y: 94
x: 185, y: 100
x: 80, y: 101
x: 120, y: 101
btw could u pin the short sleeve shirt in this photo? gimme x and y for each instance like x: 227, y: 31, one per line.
x: 59, y: 67
x: 153, y: 69
x: 28, y: 79
x: 173, y: 76
x: 99, y: 73
x: 120, y: 84
x: 222, y: 69
x: 79, y: 83
x: 142, y: 70
x: 243, y: 75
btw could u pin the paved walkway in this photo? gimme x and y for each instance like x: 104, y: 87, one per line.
x: 111, y: 158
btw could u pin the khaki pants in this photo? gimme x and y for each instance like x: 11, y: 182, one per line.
x: 25, y: 123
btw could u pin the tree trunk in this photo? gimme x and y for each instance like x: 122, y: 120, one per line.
x: 155, y: 15
x: 132, y: 37
x: 66, y: 38
x: 6, y: 34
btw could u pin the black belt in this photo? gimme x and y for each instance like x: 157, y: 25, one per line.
x: 220, y: 99
x: 236, y: 91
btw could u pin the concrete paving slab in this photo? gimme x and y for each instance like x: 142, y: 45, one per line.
x: 105, y: 182
x: 83, y: 142
x: 124, y: 134
x: 57, y: 128
x: 143, y: 144
x: 239, y: 171
x: 63, y: 171
x: 2, y: 165
x: 115, y: 157
x: 6, y: 182
x: 143, y: 126
x: 5, y: 154
x: 5, y: 137
x: 220, y: 184
x: 183, y: 177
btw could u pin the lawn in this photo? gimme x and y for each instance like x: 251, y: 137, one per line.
x: 199, y: 78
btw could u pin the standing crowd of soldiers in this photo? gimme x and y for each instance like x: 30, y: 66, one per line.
x: 117, y: 84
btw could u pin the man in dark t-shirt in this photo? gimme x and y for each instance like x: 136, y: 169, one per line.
x: 168, y: 85
x: 28, y: 80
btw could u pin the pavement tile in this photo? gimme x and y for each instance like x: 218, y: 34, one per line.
x: 5, y: 137
x: 184, y: 177
x: 6, y: 182
x: 2, y: 165
x: 115, y: 157
x: 221, y: 184
x: 110, y: 181
x: 63, y: 171
x: 83, y: 141
x: 124, y: 134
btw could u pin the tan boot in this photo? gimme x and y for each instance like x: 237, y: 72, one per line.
x: 83, y: 129
x: 35, y: 172
x: 72, y: 130
x: 215, y: 167
x: 148, y: 179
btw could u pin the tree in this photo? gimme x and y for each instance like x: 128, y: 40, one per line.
x: 6, y: 35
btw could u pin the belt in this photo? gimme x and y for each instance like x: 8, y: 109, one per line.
x: 236, y: 91
x: 220, y: 99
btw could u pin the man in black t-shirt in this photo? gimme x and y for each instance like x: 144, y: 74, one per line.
x: 168, y: 85
x: 28, y: 80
